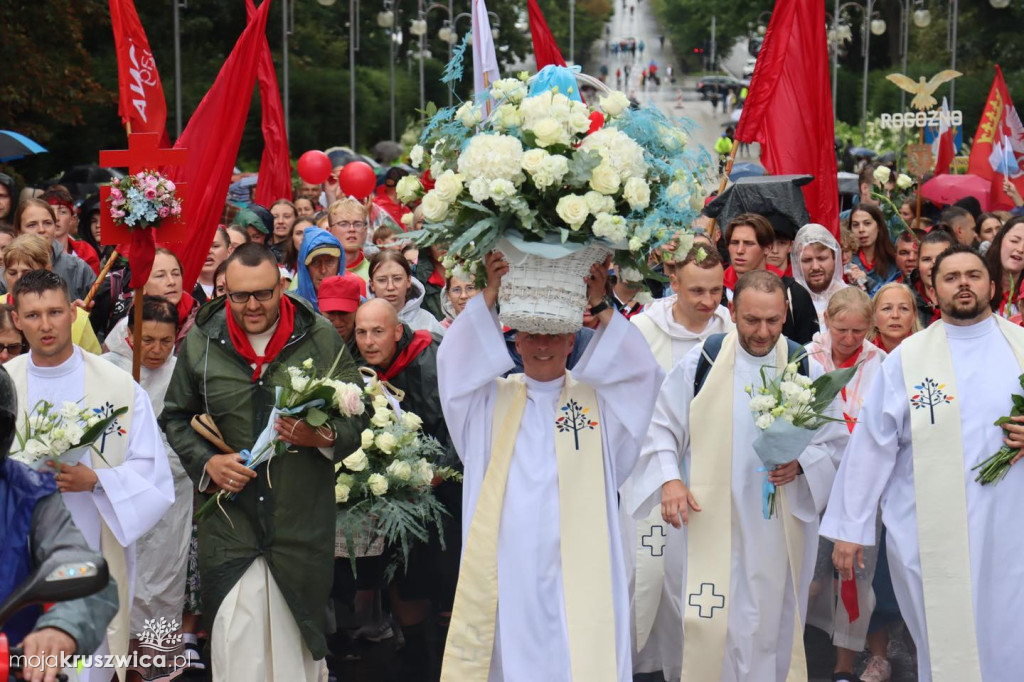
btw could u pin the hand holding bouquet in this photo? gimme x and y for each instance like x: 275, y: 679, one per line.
x: 62, y: 435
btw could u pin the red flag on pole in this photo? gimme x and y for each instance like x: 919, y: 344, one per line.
x: 213, y: 136
x: 545, y: 49
x: 789, y: 108
x: 943, y: 148
x: 275, y: 176
x: 141, y: 104
x: 998, y: 150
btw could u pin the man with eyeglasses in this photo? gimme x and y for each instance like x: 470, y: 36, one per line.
x: 267, y: 554
x: 347, y: 220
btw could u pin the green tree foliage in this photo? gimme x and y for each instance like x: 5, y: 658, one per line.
x: 591, y: 16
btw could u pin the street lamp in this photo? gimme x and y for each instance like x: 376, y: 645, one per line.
x: 386, y: 19
x: 178, y: 5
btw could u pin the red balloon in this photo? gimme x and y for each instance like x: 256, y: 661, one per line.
x: 357, y: 179
x: 596, y: 121
x: 314, y: 166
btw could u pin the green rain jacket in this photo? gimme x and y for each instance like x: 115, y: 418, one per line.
x: 286, y: 514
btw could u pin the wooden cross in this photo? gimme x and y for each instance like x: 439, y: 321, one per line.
x: 143, y: 153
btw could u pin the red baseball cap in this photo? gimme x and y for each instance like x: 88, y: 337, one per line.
x: 339, y: 294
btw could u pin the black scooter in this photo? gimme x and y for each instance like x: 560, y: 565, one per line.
x: 57, y: 579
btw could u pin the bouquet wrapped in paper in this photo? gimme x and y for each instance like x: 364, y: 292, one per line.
x: 788, y: 410
x: 308, y: 397
x: 62, y: 435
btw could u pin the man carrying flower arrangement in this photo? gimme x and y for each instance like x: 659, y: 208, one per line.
x: 749, y: 560
x: 542, y: 588
x: 266, y: 549
x: 928, y: 425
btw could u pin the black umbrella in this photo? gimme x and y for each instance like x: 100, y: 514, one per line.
x: 16, y: 146
x: 777, y: 197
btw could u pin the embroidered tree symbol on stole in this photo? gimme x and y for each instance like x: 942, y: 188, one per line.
x: 115, y: 428
x: 930, y: 394
x: 574, y: 418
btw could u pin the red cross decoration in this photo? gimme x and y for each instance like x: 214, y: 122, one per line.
x: 143, y: 153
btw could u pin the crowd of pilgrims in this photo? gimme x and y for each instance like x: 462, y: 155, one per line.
x: 850, y: 300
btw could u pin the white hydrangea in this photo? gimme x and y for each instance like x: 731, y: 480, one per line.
x: 618, y: 149
x: 610, y: 227
x: 378, y: 484
x: 492, y: 157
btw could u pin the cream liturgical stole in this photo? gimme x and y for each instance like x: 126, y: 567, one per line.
x: 585, y: 545
x: 940, y: 489
x: 107, y: 388
x: 709, y: 532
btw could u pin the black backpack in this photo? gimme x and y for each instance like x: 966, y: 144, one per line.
x: 713, y: 345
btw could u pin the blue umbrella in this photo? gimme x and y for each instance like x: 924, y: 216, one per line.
x: 746, y: 170
x: 16, y: 146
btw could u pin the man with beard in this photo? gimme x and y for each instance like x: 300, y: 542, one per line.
x: 927, y: 422
x: 817, y: 254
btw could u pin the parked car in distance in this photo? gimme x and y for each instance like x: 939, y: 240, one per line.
x: 719, y: 85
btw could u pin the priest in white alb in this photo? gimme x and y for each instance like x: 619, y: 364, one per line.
x: 956, y: 555
x: 655, y: 551
x: 115, y: 498
x: 746, y: 576
x: 542, y: 588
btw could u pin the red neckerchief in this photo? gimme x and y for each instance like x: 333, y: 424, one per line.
x: 878, y: 342
x: 420, y: 341
x: 864, y: 261
x: 436, y: 278
x: 354, y: 263
x: 185, y: 306
x: 730, y: 278
x: 285, y: 327
x: 789, y: 268
x: 849, y: 362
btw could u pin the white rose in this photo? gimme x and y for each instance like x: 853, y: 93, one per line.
x: 411, y: 420
x: 435, y: 209
x: 307, y: 363
x: 92, y: 420
x: 610, y: 227
x: 407, y: 221
x: 882, y: 175
x: 408, y: 189
x: 604, y: 179
x: 424, y: 472
x: 637, y: 193
x: 448, y: 186
x: 480, y: 190
x: 386, y: 443
x: 635, y: 243
x: 399, y: 470
x: 572, y: 208
x: 73, y: 432
x: 764, y: 421
x: 378, y: 484
x: 579, y: 119
x: 381, y: 418
x: 614, y: 103
x: 380, y: 402
x: 533, y: 160
x: 70, y: 411
x: 367, y: 438
x: 341, y: 492
x: 597, y: 202
x: 511, y: 89
x: 357, y: 461
x: 416, y: 156
x: 35, y: 448
x: 904, y: 181
x: 501, y: 190
x: 548, y: 132
x: 468, y: 115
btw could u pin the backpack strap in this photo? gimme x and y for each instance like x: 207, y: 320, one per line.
x: 709, y: 351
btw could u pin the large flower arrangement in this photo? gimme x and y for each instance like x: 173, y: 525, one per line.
x: 538, y: 163
x: 143, y: 200
x: 384, y: 489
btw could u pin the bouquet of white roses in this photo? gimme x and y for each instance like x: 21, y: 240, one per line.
x: 789, y: 409
x: 537, y: 164
x: 890, y: 200
x: 385, y: 488
x: 308, y: 397
x: 63, y: 435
